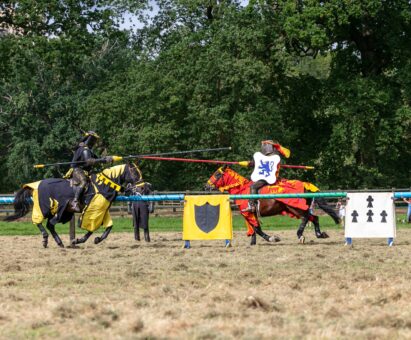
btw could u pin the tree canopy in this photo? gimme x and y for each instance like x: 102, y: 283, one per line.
x: 330, y: 80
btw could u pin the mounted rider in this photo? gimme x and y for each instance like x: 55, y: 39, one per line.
x: 79, y: 171
x: 266, y: 168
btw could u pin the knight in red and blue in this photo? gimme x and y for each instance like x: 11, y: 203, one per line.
x: 266, y: 168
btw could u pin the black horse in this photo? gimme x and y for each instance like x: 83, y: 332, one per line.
x: 51, y: 199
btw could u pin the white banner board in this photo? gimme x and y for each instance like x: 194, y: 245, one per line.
x: 370, y: 214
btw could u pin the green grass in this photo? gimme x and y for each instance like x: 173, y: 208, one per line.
x: 176, y: 224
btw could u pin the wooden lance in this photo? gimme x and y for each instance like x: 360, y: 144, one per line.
x: 241, y: 163
x: 121, y: 158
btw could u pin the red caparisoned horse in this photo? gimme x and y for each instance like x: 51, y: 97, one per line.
x: 226, y: 179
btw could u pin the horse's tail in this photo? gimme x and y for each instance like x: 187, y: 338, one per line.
x: 21, y: 204
x: 322, y: 203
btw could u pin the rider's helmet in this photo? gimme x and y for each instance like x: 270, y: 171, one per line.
x: 90, y: 138
x: 269, y: 147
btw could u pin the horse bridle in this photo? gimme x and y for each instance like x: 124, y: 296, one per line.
x: 215, y: 177
x: 135, y: 177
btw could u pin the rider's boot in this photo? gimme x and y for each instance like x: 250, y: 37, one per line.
x: 75, y: 206
x: 75, y: 203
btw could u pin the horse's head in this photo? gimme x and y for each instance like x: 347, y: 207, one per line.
x: 141, y: 188
x: 216, y: 180
x: 226, y: 179
x: 132, y: 176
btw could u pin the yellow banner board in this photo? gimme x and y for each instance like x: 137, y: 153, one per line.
x: 207, y: 217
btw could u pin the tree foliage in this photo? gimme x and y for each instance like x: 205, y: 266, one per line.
x: 329, y: 80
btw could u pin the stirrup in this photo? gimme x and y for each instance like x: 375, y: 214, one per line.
x: 250, y: 208
x: 75, y: 206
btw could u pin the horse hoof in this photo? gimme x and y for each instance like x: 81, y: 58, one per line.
x: 323, y: 235
x: 253, y: 240
x: 274, y: 239
x: 301, y: 240
x: 61, y: 245
x: 97, y: 240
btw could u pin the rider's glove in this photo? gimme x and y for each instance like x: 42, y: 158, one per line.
x: 108, y: 159
x: 90, y: 161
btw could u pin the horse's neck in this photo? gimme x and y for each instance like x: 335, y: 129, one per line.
x: 241, y: 189
x: 235, y: 183
x: 114, y: 173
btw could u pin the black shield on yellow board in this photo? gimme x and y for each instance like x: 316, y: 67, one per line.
x: 207, y: 216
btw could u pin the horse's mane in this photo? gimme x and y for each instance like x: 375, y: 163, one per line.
x: 113, y: 172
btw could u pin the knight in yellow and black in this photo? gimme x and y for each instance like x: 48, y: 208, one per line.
x: 51, y: 198
x: 83, y: 160
x: 105, y: 187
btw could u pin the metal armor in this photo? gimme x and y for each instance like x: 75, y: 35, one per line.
x: 80, y: 174
x: 268, y: 148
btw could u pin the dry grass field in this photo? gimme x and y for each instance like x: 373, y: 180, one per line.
x: 122, y: 289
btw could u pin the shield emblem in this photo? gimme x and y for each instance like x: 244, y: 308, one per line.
x: 207, y: 216
x: 265, y: 167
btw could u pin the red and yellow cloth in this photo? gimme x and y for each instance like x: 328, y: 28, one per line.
x: 283, y: 186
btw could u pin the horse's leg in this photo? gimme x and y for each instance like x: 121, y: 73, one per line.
x: 83, y: 239
x: 137, y: 233
x: 322, y: 203
x: 253, y: 239
x: 250, y: 229
x: 44, y: 233
x: 304, y: 216
x: 51, y: 227
x: 266, y: 237
x: 318, y: 232
x: 147, y: 235
x: 136, y: 220
x: 103, y: 236
x: 144, y: 217
x: 301, y: 228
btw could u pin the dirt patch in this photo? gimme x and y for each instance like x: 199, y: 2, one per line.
x: 119, y: 289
